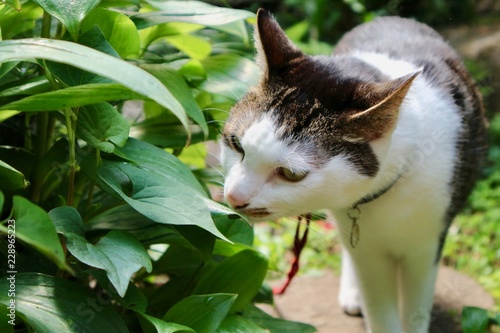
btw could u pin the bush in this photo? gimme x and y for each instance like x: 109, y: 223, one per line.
x: 105, y: 228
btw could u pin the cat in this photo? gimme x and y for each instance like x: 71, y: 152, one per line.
x: 388, y: 134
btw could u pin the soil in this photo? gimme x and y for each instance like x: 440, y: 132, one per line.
x: 313, y: 300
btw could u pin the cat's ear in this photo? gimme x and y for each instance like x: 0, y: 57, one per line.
x: 274, y: 48
x: 380, y: 119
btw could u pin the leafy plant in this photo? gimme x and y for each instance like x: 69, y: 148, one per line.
x: 105, y: 228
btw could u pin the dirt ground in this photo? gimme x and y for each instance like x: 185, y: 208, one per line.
x: 313, y: 300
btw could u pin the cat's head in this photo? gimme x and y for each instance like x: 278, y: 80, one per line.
x: 312, y: 134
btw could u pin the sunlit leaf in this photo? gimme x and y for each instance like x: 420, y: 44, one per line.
x: 97, y: 62
x: 70, y: 13
x: 195, y: 47
x: 192, y: 12
x: 118, y: 29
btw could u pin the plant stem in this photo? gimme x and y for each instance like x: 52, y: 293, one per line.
x: 42, y: 132
x: 46, y: 23
x: 70, y: 118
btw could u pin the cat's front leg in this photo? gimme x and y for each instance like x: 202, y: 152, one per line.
x: 349, y: 294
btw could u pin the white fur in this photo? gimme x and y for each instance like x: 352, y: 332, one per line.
x: 398, y: 231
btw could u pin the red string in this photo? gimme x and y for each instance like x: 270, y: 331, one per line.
x: 298, y: 245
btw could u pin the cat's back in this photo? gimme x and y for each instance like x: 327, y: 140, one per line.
x: 387, y: 41
x: 398, y: 38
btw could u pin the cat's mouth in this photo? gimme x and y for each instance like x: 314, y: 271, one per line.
x: 255, y: 212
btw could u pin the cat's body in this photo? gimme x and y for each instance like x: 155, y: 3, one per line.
x: 387, y: 134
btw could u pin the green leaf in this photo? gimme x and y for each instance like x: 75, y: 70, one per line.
x: 72, y: 76
x: 35, y: 85
x: 34, y: 227
x: 474, y: 320
x: 158, y: 186
x: 162, y: 326
x: 118, y: 253
x: 275, y: 325
x: 2, y: 199
x: 118, y: 29
x: 203, y: 313
x: 148, y: 35
x: 190, y: 12
x: 53, y: 305
x: 239, y: 324
x: 229, y: 75
x: 6, y: 67
x: 11, y: 179
x: 70, y: 14
x: 102, y: 127
x: 73, y: 96
x: 97, y: 62
x: 241, y: 274
x: 67, y: 220
x: 180, y: 90
x: 195, y: 47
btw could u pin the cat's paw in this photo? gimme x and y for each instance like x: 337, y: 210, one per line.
x: 350, y: 301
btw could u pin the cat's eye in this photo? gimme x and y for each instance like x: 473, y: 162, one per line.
x: 290, y: 175
x: 234, y: 143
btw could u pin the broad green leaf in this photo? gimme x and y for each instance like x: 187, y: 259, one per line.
x: 158, y: 186
x: 70, y: 13
x: 195, y: 47
x: 72, y: 97
x: 199, y: 239
x: 159, y: 162
x: 275, y: 325
x: 203, y: 313
x: 67, y: 220
x: 162, y: 326
x: 159, y: 198
x: 241, y: 274
x: 34, y: 227
x: 97, y: 62
x: 474, y: 319
x: 118, y: 253
x: 229, y: 75
x: 73, y: 76
x: 102, y: 127
x: 118, y: 29
x: 194, y: 156
x: 50, y: 305
x: 180, y: 90
x: 190, y: 12
x: 2, y: 198
x: 239, y: 324
x: 11, y: 179
x: 36, y: 85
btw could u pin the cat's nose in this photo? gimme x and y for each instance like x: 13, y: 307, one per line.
x: 236, y: 201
